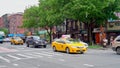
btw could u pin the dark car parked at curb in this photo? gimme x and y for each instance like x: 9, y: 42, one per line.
x: 35, y: 41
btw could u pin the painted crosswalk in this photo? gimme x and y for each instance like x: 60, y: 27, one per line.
x: 30, y: 55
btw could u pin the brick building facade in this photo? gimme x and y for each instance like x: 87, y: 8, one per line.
x: 15, y: 22
x: 1, y: 23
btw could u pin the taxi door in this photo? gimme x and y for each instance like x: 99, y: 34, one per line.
x: 12, y: 40
x: 62, y: 46
x: 58, y: 45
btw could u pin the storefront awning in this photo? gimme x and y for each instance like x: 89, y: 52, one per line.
x: 42, y: 32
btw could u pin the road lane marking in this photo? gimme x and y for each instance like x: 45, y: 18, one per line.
x: 14, y: 57
x: 42, y: 54
x: 36, y: 49
x: 15, y: 64
x: 24, y: 56
x: 53, y: 53
x: 61, y: 60
x: 34, y: 55
x: 88, y: 65
x: 4, y: 59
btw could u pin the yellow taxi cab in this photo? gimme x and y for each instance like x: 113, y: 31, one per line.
x: 16, y: 40
x: 69, y: 46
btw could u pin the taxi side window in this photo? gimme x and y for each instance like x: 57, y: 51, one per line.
x: 58, y: 41
x: 62, y: 42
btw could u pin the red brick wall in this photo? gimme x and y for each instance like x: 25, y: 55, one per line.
x: 15, y: 21
x: 1, y: 22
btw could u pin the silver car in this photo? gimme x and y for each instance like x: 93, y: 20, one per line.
x: 116, y: 45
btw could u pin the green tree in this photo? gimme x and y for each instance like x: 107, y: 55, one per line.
x: 31, y: 17
x: 50, y: 14
x: 4, y: 30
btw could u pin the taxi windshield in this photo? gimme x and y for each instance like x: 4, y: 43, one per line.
x: 72, y: 40
x: 17, y: 38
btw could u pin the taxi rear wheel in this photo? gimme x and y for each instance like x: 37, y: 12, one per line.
x: 54, y: 49
x: 81, y: 52
x: 21, y: 43
x: 67, y: 50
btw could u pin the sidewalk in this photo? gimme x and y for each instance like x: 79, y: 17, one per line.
x: 106, y: 48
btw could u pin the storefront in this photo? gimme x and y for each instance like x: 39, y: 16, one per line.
x: 42, y: 33
x: 99, y: 35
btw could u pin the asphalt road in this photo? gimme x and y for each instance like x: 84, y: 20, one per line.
x: 20, y: 56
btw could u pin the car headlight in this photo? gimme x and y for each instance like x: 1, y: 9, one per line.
x: 86, y: 45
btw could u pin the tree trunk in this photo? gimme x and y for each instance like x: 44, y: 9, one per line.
x: 50, y: 34
x: 90, y: 33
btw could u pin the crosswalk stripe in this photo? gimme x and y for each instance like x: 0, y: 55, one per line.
x: 4, y: 59
x: 53, y: 53
x: 14, y: 57
x: 35, y: 55
x: 42, y: 54
x: 19, y: 56
x: 24, y: 56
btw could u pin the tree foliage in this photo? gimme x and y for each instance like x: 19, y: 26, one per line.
x: 4, y: 30
x: 96, y: 11
x: 31, y: 17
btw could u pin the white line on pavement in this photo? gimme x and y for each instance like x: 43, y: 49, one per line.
x: 53, y: 53
x: 14, y: 57
x: 24, y: 56
x: 61, y: 60
x: 42, y: 54
x: 34, y: 55
x: 15, y: 64
x: 4, y: 59
x: 88, y: 65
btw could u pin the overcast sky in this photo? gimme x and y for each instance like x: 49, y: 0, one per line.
x: 14, y: 6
